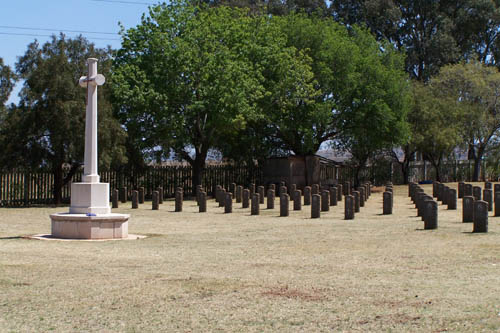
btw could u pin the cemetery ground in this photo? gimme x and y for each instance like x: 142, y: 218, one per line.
x: 235, y: 272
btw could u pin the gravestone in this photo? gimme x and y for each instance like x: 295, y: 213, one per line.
x: 325, y: 201
x: 307, y: 196
x: 123, y: 194
x: 340, y: 192
x: 452, y: 199
x: 468, y: 190
x: 293, y: 188
x: 389, y: 189
x: 297, y: 200
x: 270, y: 198
x: 135, y: 199
x: 232, y: 189
x: 434, y: 188
x: 362, y: 196
x: 347, y: 188
x: 141, y: 195
x: 179, y: 196
x: 488, y: 197
x: 255, y: 209
x: 431, y: 215
x: 114, y: 198
x: 440, y: 190
x: 261, y: 192
x: 488, y: 185
x: 387, y: 203
x: 203, y: 202
x: 222, y: 197
x: 356, y: 201
x: 272, y: 187
x: 333, y: 196
x: 252, y: 189
x: 199, y: 188
x: 411, y: 187
x: 497, y: 203
x: 160, y: 194
x: 315, y: 189
x: 228, y: 205
x: 461, y: 190
x: 315, y: 206
x: 218, y: 188
x: 496, y: 187
x: 239, y: 190
x: 468, y: 209
x: 476, y: 192
x: 445, y: 195
x: 480, y: 216
x: 425, y: 198
x: 283, y: 190
x: 284, y: 204
x: 245, y: 203
x: 349, y: 207
x: 155, y: 200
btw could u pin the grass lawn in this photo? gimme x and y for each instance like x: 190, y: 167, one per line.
x: 235, y: 272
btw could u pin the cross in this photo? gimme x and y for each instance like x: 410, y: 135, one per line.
x: 91, y: 81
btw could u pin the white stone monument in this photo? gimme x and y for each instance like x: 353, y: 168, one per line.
x: 89, y: 214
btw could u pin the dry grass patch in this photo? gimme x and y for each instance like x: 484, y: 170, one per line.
x: 236, y: 272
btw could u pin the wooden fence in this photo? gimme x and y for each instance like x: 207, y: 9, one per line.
x: 23, y: 189
x: 29, y: 188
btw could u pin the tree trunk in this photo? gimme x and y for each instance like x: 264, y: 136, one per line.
x: 405, y: 170
x: 58, y: 183
x: 477, y: 163
x: 477, y: 169
x: 198, y: 165
x: 306, y: 174
x: 356, y: 175
x: 438, y: 173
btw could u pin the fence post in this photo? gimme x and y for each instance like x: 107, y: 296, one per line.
x: 26, y: 188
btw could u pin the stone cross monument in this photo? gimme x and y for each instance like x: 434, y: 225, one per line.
x: 90, y: 196
x: 91, y: 82
x: 89, y: 214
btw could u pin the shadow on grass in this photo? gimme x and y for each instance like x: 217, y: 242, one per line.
x: 12, y: 237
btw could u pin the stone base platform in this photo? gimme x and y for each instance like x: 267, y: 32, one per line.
x: 81, y: 226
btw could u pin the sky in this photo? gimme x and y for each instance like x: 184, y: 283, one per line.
x: 47, y: 17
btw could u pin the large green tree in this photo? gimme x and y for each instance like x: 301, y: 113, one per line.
x: 47, y: 128
x: 474, y: 90
x: 360, y: 91
x: 433, y: 33
x: 376, y: 109
x: 188, y: 76
x: 436, y: 132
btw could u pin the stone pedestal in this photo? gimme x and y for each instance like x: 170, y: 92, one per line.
x: 81, y: 226
x: 89, y: 198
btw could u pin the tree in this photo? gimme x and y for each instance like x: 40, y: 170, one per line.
x: 188, y: 78
x: 474, y: 90
x: 273, y: 7
x: 433, y: 33
x: 47, y: 128
x: 378, y: 105
x: 7, y: 82
x: 436, y: 134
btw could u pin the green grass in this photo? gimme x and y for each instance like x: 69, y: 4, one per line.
x: 235, y: 272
